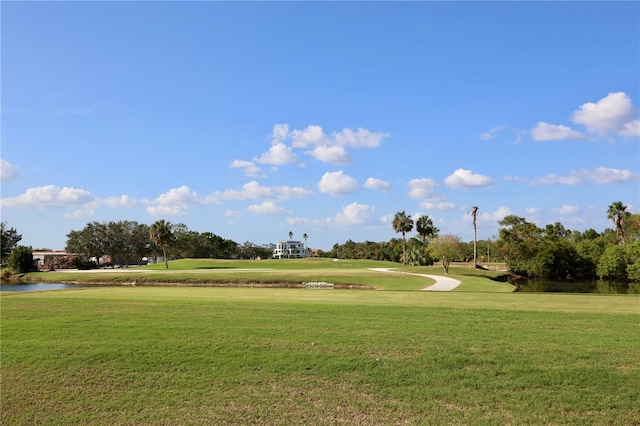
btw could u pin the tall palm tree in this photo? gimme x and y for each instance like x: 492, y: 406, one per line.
x: 474, y: 213
x: 403, y: 223
x: 305, y: 236
x: 160, y: 233
x: 618, y: 213
x: 291, y: 235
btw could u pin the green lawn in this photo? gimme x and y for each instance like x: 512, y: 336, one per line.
x: 279, y: 272
x: 239, y: 355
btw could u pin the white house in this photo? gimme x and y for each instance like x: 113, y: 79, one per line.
x: 289, y: 250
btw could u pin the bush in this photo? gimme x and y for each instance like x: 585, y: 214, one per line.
x: 21, y: 259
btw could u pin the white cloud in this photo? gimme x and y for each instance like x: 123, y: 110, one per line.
x: 330, y: 154
x: 249, y: 168
x: 422, y: 188
x: 175, y: 202
x: 268, y: 207
x: 326, y: 148
x: 612, y: 114
x: 377, y: 184
x: 465, y: 179
x: 254, y: 191
x: 312, y: 135
x: 438, y: 205
x: 551, y: 132
x: 280, y: 133
x: 121, y: 201
x: 277, y: 155
x: 601, y: 175
x: 80, y: 214
x: 485, y: 136
x: 567, y: 209
x: 631, y: 129
x: 354, y: 214
x: 7, y: 171
x: 337, y: 183
x: 362, y: 138
x: 50, y: 196
x: 232, y: 213
x: 495, y: 216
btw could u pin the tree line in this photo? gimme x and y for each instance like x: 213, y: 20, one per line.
x: 132, y: 240
x: 553, y: 251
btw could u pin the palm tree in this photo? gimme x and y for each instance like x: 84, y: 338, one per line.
x: 305, y: 236
x: 425, y: 228
x: 403, y: 223
x: 291, y: 235
x: 618, y: 212
x: 160, y: 233
x: 474, y: 213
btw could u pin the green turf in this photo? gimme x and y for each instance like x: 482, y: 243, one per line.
x: 193, y: 355
x: 479, y: 355
x: 280, y: 272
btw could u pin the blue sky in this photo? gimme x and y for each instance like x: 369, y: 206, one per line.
x: 253, y: 119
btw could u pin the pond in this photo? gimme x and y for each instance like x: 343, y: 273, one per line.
x: 37, y: 287
x: 587, y: 286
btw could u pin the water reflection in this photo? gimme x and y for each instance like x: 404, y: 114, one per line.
x: 591, y: 286
x: 37, y: 287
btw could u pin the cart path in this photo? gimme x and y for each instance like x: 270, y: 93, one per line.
x: 442, y: 283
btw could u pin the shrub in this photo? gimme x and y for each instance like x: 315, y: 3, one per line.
x: 21, y: 259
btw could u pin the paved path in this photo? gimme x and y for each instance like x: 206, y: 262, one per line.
x: 442, y: 283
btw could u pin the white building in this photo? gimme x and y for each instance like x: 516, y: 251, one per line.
x: 289, y: 250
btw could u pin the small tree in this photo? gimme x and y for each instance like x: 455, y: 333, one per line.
x: 21, y: 259
x: 447, y: 248
x: 291, y: 235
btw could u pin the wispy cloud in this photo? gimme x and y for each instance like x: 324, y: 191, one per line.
x: 8, y: 171
x: 254, y: 191
x: 485, y: 136
x: 600, y: 175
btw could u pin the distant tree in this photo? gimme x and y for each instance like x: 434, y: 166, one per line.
x: 403, y: 223
x: 446, y: 248
x: 21, y: 259
x: 160, y: 233
x: 91, y: 241
x: 617, y: 212
x: 9, y: 238
x: 291, y: 235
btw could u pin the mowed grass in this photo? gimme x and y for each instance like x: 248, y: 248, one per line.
x: 350, y: 273
x: 238, y: 355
